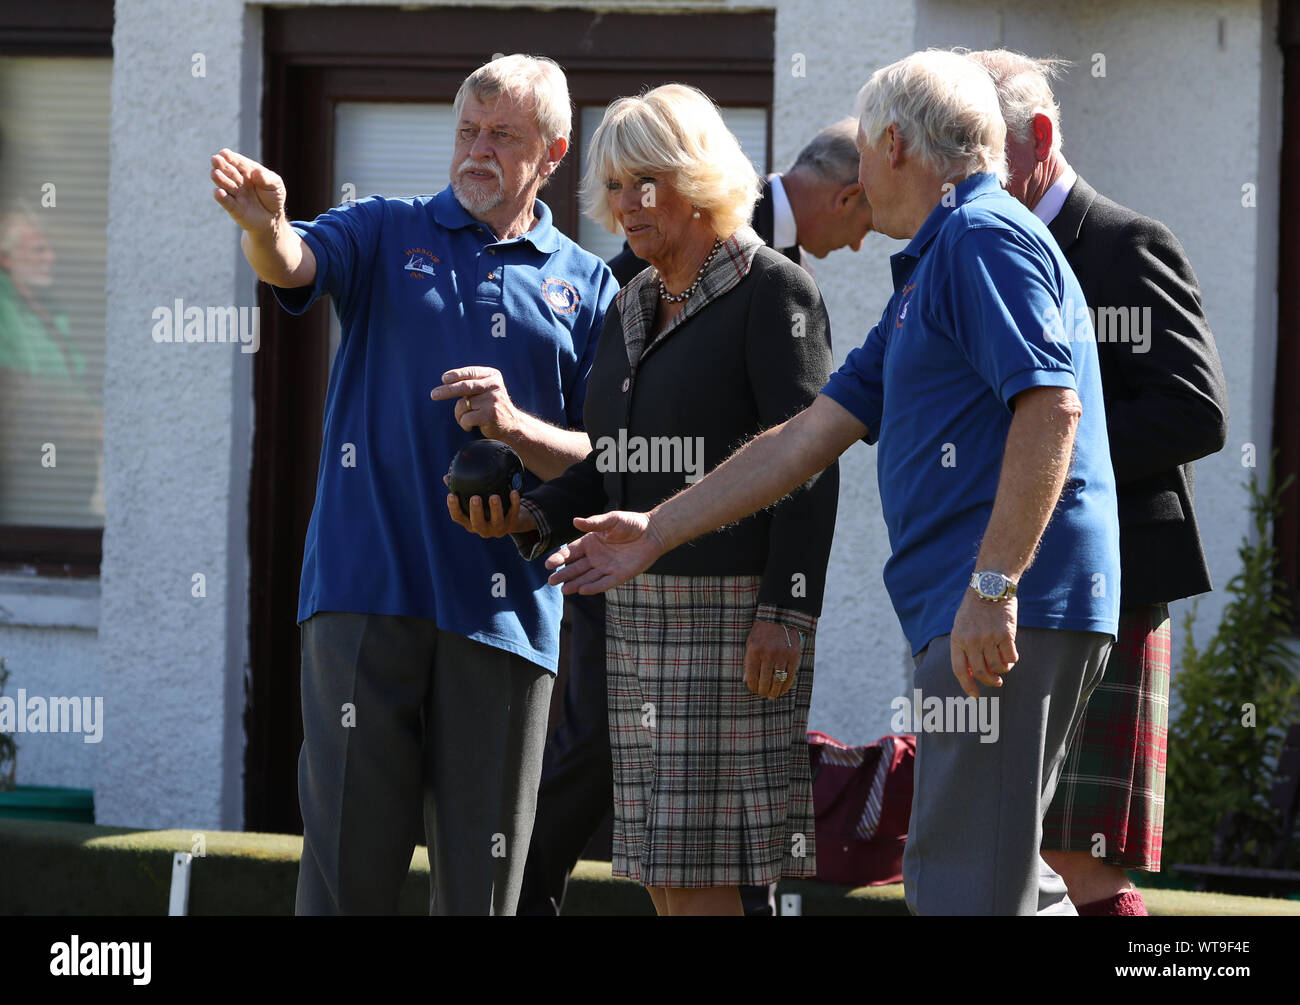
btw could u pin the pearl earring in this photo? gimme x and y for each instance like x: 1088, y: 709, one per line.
x: 695, y: 215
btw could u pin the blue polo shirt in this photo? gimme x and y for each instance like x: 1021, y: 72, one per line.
x: 984, y: 307
x: 421, y: 287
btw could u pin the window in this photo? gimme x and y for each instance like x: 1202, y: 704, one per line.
x: 397, y: 150
x: 55, y: 70
x: 53, y: 216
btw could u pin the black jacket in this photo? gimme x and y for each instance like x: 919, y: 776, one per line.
x: 625, y: 264
x: 726, y: 373
x: 1165, y: 407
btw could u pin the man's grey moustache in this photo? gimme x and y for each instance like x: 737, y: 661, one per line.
x: 492, y: 168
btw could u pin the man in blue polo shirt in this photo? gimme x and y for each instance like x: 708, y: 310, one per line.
x: 981, y: 384
x: 428, y: 656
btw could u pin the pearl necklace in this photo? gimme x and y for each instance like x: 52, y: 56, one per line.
x: 686, y: 294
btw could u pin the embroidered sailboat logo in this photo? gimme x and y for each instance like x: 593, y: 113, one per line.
x: 419, y: 263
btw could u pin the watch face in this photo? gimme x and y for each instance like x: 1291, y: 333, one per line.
x: 992, y: 584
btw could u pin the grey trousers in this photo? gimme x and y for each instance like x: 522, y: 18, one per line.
x: 398, y: 716
x: 978, y: 807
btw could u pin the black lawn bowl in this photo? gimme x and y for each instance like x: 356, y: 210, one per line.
x: 485, y: 468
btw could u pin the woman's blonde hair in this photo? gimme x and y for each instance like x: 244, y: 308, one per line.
x: 676, y: 133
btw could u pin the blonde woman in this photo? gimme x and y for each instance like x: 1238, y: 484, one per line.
x: 710, y: 651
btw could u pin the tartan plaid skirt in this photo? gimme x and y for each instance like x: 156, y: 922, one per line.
x: 1112, y: 785
x: 711, y: 782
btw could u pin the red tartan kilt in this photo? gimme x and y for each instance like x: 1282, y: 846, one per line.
x: 1111, y: 795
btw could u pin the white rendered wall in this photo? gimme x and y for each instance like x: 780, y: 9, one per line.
x: 47, y: 638
x: 177, y: 422
x: 863, y: 660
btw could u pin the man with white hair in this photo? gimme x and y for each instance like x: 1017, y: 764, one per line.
x: 427, y: 662
x: 1166, y: 406
x: 995, y: 484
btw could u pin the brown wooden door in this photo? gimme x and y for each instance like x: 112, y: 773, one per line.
x: 316, y: 58
x: 1286, y: 412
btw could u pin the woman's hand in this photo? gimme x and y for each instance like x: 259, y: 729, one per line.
x: 771, y: 647
x: 494, y: 523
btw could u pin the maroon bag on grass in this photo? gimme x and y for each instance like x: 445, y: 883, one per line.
x: 862, y: 798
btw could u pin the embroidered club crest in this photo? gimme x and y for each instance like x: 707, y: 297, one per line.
x: 903, y: 305
x: 562, y: 297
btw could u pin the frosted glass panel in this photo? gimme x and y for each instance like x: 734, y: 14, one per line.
x: 397, y: 150
x: 54, y: 121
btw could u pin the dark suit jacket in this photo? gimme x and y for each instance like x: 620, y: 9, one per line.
x: 1165, y: 407
x: 625, y: 264
x: 725, y: 374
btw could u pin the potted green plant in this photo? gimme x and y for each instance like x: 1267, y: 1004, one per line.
x: 1234, y: 701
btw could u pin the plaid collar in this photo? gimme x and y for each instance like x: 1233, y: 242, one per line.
x: 639, y: 299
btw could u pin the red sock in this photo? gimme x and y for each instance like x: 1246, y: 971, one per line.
x: 1126, y: 904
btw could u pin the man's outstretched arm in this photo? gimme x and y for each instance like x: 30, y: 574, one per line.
x: 619, y: 545
x: 254, y: 196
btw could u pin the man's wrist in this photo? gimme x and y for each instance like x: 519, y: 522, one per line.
x: 657, y: 531
x: 992, y: 585
x: 268, y: 235
x: 518, y: 430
